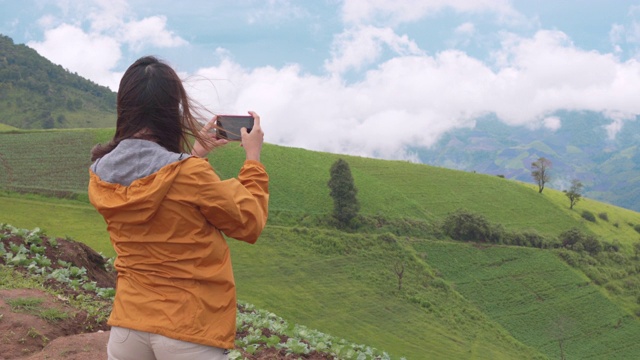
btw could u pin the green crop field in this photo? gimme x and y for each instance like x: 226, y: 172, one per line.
x: 52, y: 162
x: 539, y: 299
x: 457, y: 300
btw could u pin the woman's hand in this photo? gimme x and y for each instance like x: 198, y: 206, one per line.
x: 208, y: 140
x: 252, y: 142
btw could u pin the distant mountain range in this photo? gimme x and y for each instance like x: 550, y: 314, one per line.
x: 36, y: 94
x: 579, y: 149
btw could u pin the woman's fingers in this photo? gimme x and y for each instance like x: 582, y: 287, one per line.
x: 252, y: 141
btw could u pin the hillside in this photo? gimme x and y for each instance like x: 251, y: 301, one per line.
x: 56, y: 296
x: 459, y: 299
x: 37, y: 94
x: 608, y: 167
x: 580, y: 149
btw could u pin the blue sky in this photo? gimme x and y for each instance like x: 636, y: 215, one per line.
x: 333, y: 75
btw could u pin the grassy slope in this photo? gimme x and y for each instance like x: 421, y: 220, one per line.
x: 14, y: 110
x: 287, y: 271
x: 402, y: 189
x: 5, y: 127
x: 391, y: 188
x: 538, y: 299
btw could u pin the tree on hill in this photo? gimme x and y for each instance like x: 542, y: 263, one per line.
x: 574, y: 192
x: 343, y: 192
x: 540, y: 172
x: 398, y: 269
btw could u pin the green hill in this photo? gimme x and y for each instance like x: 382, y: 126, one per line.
x: 580, y: 149
x: 456, y: 301
x: 37, y: 94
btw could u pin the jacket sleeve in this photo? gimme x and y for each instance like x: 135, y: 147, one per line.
x: 238, y: 207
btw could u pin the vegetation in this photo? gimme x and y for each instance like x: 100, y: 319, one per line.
x: 574, y: 193
x: 474, y: 297
x: 540, y: 172
x: 252, y: 323
x: 343, y: 192
x: 588, y: 215
x: 57, y: 98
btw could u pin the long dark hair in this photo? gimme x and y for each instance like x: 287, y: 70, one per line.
x: 152, y: 105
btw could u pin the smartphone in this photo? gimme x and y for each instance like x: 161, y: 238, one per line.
x: 229, y: 126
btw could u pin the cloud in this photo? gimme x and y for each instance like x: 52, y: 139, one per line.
x: 627, y: 36
x: 360, y: 46
x: 150, y: 31
x: 412, y: 99
x: 400, y: 11
x: 403, y: 98
x: 276, y: 10
x: 93, y: 51
x: 90, y: 55
x: 552, y: 123
x: 465, y: 29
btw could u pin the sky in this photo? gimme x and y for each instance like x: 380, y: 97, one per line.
x: 375, y: 78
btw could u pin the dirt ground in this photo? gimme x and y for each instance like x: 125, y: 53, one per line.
x: 31, y: 333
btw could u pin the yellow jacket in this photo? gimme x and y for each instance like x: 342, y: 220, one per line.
x: 174, y: 267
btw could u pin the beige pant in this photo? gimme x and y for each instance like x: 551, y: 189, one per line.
x: 125, y: 344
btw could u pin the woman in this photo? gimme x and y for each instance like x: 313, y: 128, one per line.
x: 166, y: 210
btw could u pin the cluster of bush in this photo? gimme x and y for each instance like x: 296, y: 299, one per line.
x: 464, y: 225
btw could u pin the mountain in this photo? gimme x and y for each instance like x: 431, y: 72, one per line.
x: 37, y: 94
x: 580, y: 149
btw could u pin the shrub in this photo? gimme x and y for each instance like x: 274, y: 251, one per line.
x: 636, y: 228
x: 603, y: 216
x: 588, y: 215
x: 534, y: 239
x: 570, y: 237
x: 514, y: 238
x: 613, y: 288
x: 388, y: 238
x: 592, y: 245
x: 466, y: 226
x: 575, y: 240
x: 611, y: 247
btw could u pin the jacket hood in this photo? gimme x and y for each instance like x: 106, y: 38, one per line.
x: 128, y: 184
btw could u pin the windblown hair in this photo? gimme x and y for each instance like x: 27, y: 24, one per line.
x: 152, y: 105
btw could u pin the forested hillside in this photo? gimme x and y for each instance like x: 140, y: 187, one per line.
x: 37, y: 94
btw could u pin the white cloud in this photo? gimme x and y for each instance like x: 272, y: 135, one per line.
x: 627, y: 35
x: 404, y: 98
x: 399, y: 11
x: 465, y: 29
x: 150, y: 31
x: 552, y: 123
x: 411, y: 100
x: 94, y: 52
x: 360, y: 46
x: 276, y: 10
x: 90, y: 55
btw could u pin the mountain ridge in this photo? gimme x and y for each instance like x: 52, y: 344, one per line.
x: 37, y: 94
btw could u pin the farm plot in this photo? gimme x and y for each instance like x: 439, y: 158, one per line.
x: 49, y: 162
x: 537, y: 298
x: 438, y: 192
